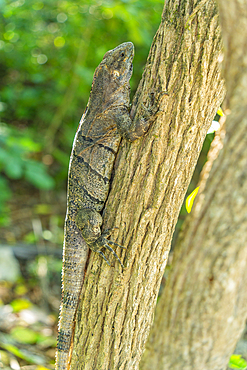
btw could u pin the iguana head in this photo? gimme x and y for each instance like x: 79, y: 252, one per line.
x: 111, y: 79
x: 118, y: 62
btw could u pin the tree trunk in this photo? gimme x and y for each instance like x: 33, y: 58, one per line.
x: 202, y: 310
x: 150, y: 180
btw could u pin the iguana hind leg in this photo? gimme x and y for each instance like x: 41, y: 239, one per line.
x: 102, y: 242
x: 89, y: 222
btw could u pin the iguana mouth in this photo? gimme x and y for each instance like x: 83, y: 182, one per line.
x: 129, y: 74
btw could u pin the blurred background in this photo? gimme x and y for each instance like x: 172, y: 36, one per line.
x: 48, y: 53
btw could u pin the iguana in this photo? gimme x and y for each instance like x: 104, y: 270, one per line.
x: 105, y: 121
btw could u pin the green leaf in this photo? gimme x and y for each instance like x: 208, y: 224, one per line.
x: 43, y: 209
x: 5, y: 219
x: 5, y: 192
x: 25, y: 143
x: 31, y: 238
x: 24, y: 335
x: 15, y: 351
x: 7, y: 343
x: 45, y: 341
x: 190, y: 199
x: 3, y: 155
x: 20, y: 304
x: 35, y: 173
x: 14, y: 167
x: 237, y: 362
x: 25, y: 355
x: 220, y: 112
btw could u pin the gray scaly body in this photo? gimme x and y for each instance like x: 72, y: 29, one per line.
x: 96, y: 143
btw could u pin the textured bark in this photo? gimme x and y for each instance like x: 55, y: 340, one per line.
x: 150, y: 180
x: 202, y: 311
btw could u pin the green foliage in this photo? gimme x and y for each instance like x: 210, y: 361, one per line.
x: 237, y: 362
x: 16, y: 161
x: 20, y: 304
x: 24, y: 335
x: 20, y: 353
x: 5, y: 194
x: 49, y: 50
x: 51, y: 265
x: 29, y: 336
x: 17, y: 352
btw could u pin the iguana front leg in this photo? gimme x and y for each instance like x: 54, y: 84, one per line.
x: 133, y: 129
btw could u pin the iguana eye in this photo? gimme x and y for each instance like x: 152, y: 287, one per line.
x: 122, y: 54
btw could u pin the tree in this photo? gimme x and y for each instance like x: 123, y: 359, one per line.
x: 150, y: 179
x: 202, y: 310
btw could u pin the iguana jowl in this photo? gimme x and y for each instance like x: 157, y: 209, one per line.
x: 105, y: 121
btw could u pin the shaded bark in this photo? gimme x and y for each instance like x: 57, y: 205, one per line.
x: 202, y: 311
x: 151, y: 176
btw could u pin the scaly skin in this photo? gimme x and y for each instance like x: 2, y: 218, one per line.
x: 105, y: 121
